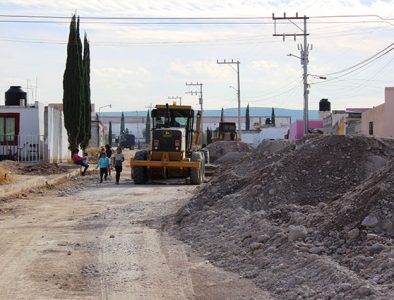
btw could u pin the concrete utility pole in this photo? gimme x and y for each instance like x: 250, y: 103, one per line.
x: 201, y: 104
x: 175, y: 98
x: 304, y: 51
x: 232, y: 62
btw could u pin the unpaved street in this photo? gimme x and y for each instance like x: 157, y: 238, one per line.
x: 101, y: 241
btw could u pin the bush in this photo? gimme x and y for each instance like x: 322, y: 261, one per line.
x: 5, y: 176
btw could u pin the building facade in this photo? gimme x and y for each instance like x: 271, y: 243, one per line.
x: 379, y: 120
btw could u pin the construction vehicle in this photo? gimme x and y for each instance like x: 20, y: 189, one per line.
x: 127, y: 141
x: 173, y: 151
x: 227, y: 131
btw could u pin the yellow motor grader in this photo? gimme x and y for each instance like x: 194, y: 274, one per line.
x: 173, y: 152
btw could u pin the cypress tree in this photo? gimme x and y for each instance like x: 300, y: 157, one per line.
x: 82, y: 104
x: 247, y: 118
x: 122, y: 125
x: 110, y: 134
x: 222, y: 115
x: 147, y: 129
x: 86, y: 90
x: 273, y: 117
x: 72, y: 88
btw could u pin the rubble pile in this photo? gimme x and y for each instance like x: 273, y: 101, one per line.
x: 227, y: 151
x: 308, y: 220
x: 14, y: 167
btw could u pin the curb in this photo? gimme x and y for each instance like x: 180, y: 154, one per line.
x: 35, y: 182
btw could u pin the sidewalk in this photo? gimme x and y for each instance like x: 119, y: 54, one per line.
x: 26, y: 182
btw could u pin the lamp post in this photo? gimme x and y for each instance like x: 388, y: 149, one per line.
x: 238, y: 91
x: 108, y: 105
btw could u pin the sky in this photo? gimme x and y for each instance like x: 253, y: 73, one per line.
x: 137, y: 63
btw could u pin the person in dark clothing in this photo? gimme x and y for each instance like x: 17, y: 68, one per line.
x: 117, y: 160
x: 79, y: 160
x: 108, y: 152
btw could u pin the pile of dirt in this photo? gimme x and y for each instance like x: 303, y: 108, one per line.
x: 226, y: 151
x: 13, y: 167
x: 308, y: 220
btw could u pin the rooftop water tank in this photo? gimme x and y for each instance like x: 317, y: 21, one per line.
x: 15, y: 96
x: 324, y: 105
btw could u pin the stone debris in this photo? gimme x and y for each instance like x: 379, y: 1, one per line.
x: 227, y: 151
x: 307, y: 220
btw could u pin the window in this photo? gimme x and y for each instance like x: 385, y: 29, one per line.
x: 9, y: 128
x: 370, y: 128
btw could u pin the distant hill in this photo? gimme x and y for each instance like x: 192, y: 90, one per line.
x: 295, y: 114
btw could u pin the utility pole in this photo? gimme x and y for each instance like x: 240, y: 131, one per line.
x: 304, y: 57
x: 175, y: 98
x: 232, y: 62
x: 201, y: 105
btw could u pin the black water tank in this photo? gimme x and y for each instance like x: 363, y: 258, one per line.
x: 324, y: 105
x: 14, y: 96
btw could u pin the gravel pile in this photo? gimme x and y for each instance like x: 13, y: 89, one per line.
x: 307, y: 220
x: 226, y: 151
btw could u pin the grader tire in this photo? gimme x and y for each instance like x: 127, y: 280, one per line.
x: 140, y: 174
x: 196, y: 175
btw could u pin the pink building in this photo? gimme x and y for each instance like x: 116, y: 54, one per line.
x: 379, y: 121
x: 297, y: 128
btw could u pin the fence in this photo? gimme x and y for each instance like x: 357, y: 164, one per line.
x: 25, y: 148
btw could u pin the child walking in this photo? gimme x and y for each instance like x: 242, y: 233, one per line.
x: 118, y: 159
x: 104, y: 163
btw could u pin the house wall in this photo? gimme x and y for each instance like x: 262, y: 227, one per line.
x: 28, y: 124
x: 389, y: 112
x: 297, y: 128
x: 270, y: 133
x: 97, y: 134
x: 136, y: 124
x: 382, y: 117
x: 31, y: 132
x: 56, y: 142
x: 375, y: 115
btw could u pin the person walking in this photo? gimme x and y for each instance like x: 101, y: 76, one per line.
x: 104, y: 163
x: 117, y: 160
x: 108, y: 152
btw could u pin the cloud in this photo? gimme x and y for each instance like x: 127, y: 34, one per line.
x: 207, y: 69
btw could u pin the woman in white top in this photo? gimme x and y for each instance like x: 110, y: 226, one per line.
x: 117, y: 160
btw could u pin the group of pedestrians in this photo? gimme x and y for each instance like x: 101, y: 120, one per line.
x: 107, y: 160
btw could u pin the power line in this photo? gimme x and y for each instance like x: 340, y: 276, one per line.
x: 358, y: 68
x: 193, y: 18
x: 360, y: 63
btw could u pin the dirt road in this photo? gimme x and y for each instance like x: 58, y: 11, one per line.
x: 104, y: 241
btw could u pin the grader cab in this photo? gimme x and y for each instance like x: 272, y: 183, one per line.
x: 227, y: 131
x: 173, y: 151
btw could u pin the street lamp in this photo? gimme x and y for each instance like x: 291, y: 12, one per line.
x: 108, y: 105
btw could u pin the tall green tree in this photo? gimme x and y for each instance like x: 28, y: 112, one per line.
x: 222, y: 115
x: 247, y: 118
x: 110, y: 134
x: 273, y: 117
x: 122, y: 124
x: 72, y: 88
x: 147, y: 128
x: 86, y: 99
x: 82, y: 104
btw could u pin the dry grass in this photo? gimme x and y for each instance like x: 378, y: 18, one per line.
x: 93, y: 154
x: 5, y: 176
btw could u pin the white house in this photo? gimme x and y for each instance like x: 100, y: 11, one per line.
x: 32, y: 133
